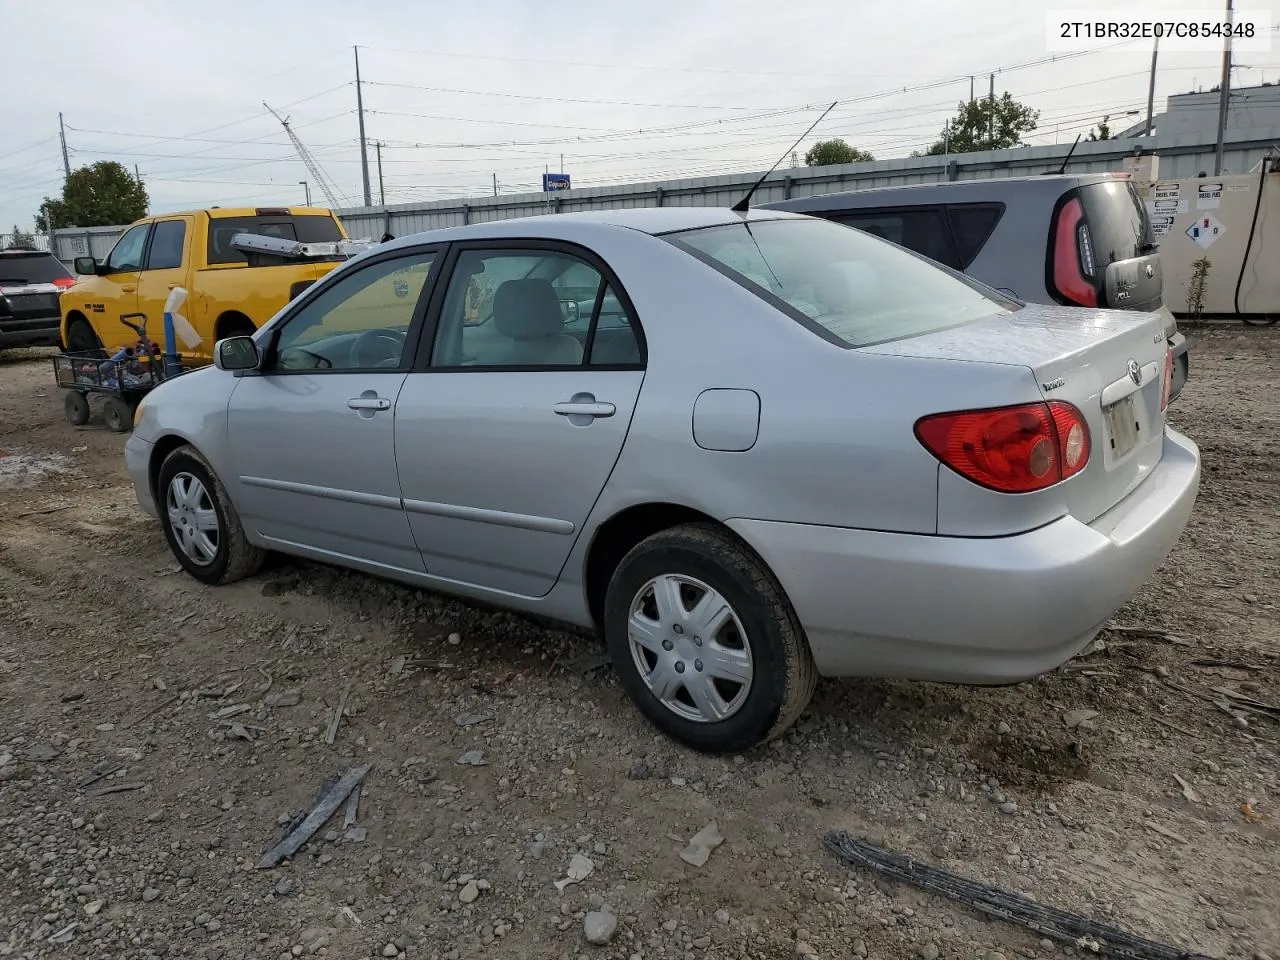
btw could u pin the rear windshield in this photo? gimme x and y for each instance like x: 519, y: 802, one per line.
x: 1118, y: 223
x: 848, y: 286
x: 307, y: 228
x: 30, y: 268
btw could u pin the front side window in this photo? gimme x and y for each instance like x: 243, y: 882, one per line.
x: 126, y: 255
x: 361, y: 322
x: 531, y: 308
x: 841, y: 283
x: 166, y: 245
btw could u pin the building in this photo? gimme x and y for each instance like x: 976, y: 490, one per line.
x: 1249, y: 111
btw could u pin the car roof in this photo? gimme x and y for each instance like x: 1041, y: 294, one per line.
x: 217, y: 213
x: 957, y: 191
x: 555, y: 226
x: 24, y: 252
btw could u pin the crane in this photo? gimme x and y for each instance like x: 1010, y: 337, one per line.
x: 326, y: 185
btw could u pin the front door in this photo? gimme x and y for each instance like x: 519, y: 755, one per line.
x: 508, y: 431
x: 161, y: 272
x: 312, y: 435
x: 117, y: 284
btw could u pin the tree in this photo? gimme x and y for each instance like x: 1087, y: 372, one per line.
x: 102, y: 195
x: 1103, y: 132
x: 19, y: 239
x: 972, y: 128
x: 826, y: 152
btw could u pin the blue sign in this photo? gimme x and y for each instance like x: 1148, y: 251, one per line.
x: 555, y: 181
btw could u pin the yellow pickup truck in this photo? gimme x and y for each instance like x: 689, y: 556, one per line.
x: 226, y: 295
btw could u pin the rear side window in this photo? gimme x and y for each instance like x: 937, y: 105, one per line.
x: 308, y: 228
x: 971, y: 225
x: 166, y: 245
x: 1118, y: 223
x: 843, y: 285
x: 31, y: 268
x: 921, y: 229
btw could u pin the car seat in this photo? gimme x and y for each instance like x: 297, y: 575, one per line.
x: 527, y: 314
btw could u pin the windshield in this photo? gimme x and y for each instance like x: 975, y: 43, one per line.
x: 852, y: 288
x: 30, y: 268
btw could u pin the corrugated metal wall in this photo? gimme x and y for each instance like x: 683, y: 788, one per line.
x: 1180, y: 156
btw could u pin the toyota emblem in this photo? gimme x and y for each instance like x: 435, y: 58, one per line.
x: 1135, y: 372
x: 1151, y: 271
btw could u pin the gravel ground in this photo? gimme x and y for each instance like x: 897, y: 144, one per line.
x: 157, y: 737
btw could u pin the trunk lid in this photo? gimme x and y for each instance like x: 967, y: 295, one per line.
x: 1109, y: 364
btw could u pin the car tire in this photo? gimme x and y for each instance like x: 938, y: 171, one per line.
x: 83, y: 341
x: 76, y: 406
x: 1264, y: 321
x: 187, y: 489
x: 696, y: 692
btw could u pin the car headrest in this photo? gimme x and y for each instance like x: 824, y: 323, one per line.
x: 527, y: 310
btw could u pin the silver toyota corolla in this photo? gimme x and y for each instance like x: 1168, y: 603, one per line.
x: 750, y: 449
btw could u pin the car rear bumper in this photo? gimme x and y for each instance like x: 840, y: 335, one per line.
x: 969, y: 610
x: 137, y: 460
x: 41, y: 332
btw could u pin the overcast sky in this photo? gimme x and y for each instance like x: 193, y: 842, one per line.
x: 460, y: 92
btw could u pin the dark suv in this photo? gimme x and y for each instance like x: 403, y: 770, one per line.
x: 31, y: 282
x: 1079, y: 240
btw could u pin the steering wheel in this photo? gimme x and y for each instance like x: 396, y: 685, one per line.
x: 380, y: 347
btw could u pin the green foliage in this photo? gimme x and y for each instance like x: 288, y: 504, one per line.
x: 1196, y: 289
x: 102, y: 195
x: 19, y: 239
x: 1103, y: 132
x: 826, y: 152
x: 972, y: 129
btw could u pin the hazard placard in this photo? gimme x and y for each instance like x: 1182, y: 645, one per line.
x: 1204, y: 230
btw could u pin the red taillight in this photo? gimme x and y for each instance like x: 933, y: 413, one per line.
x: 1167, y: 389
x: 62, y: 283
x: 1010, y: 449
x: 1073, y: 256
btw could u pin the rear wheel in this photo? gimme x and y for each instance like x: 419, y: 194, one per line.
x: 705, y: 641
x: 76, y: 405
x: 201, y: 523
x: 81, y: 339
x: 1263, y: 321
x: 119, y: 415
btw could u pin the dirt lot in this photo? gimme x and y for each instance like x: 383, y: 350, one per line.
x: 1129, y: 812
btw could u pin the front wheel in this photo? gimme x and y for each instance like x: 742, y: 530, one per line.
x: 201, y: 523
x: 82, y: 340
x: 705, y: 641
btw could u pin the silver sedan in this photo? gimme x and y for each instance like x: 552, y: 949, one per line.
x: 748, y: 449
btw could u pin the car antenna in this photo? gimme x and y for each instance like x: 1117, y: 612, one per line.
x: 1063, y: 169
x: 743, y: 205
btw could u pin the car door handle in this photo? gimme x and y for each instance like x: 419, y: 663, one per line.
x: 369, y: 403
x: 578, y: 409
x: 128, y: 289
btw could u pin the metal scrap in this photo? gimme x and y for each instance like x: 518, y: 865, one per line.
x: 1047, y: 922
x: 314, y: 820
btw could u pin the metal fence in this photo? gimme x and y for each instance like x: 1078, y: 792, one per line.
x: 24, y: 240
x: 1180, y: 156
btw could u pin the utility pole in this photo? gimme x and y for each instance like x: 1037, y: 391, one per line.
x: 306, y: 189
x: 382, y: 195
x: 991, y: 120
x: 971, y: 89
x: 1151, y: 87
x: 495, y: 184
x: 1224, y: 96
x: 62, y: 133
x: 136, y: 175
x: 364, y: 151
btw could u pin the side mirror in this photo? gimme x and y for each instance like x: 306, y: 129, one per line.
x: 569, y: 309
x: 85, y: 266
x: 236, y: 353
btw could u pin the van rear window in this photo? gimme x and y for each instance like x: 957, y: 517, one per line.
x: 307, y: 228
x: 1118, y: 222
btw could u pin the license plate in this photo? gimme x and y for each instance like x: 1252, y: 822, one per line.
x: 1122, y: 426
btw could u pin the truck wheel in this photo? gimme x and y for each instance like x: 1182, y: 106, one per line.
x: 76, y: 405
x: 119, y: 415
x: 705, y: 641
x: 82, y: 340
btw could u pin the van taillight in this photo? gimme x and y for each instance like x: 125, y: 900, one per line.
x: 64, y: 283
x: 1074, y: 264
x: 1010, y: 449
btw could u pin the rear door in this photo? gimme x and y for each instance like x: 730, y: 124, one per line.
x: 511, y: 424
x: 1114, y: 247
